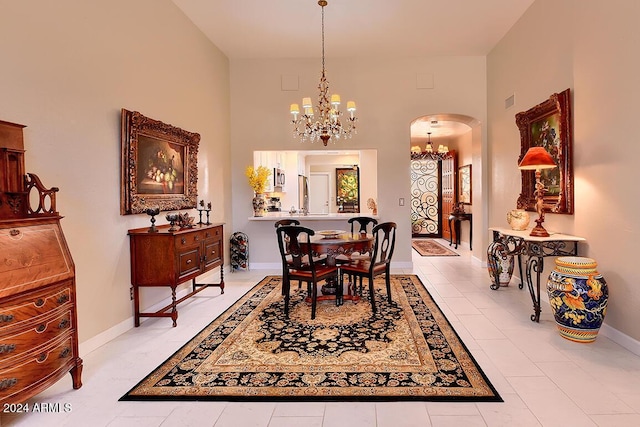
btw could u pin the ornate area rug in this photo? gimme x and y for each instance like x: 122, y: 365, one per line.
x: 431, y: 248
x: 407, y: 351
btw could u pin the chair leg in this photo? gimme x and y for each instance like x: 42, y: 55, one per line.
x: 284, y: 279
x: 285, y: 291
x: 350, y: 287
x: 314, y: 297
x: 388, y: 282
x: 372, y: 296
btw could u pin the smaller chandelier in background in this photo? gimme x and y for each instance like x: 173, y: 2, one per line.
x: 441, y: 154
x: 327, y: 123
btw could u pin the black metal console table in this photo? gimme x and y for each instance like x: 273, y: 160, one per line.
x: 507, y: 242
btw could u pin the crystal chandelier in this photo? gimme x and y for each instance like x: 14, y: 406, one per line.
x: 327, y: 124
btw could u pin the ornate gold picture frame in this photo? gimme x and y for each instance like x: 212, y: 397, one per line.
x: 548, y: 125
x: 159, y: 165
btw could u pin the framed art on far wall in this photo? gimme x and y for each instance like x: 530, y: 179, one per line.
x: 548, y: 125
x: 348, y: 189
x: 159, y: 166
x: 464, y: 184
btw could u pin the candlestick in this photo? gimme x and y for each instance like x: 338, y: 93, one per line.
x: 152, y: 212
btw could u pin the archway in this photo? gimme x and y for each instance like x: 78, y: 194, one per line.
x: 434, y: 184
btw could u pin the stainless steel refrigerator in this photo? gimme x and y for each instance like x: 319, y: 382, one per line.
x: 303, y: 193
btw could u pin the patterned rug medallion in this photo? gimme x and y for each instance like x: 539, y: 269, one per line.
x: 431, y: 248
x: 407, y: 351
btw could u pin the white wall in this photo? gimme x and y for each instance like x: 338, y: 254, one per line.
x: 68, y: 67
x: 388, y: 101
x: 591, y: 47
x: 464, y: 147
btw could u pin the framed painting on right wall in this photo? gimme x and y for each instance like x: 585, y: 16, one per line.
x: 548, y: 125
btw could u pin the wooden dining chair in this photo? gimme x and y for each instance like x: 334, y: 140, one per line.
x: 384, y: 242
x: 362, y: 222
x: 286, y: 222
x: 298, y: 263
x: 289, y: 221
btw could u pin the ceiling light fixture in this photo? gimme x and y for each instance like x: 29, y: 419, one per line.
x: 328, y: 124
x: 441, y: 154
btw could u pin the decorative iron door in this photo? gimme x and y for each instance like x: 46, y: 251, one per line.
x: 425, y: 198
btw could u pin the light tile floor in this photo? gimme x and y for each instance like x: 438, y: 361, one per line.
x: 544, y: 379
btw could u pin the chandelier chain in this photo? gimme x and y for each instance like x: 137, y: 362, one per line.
x: 322, y: 39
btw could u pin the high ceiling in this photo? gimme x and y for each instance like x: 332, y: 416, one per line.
x: 292, y: 28
x: 358, y: 28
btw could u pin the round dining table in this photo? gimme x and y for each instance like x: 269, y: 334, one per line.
x: 340, y: 246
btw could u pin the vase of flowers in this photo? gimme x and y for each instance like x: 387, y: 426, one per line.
x: 258, y: 181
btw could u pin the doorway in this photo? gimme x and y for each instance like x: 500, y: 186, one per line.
x: 319, y: 192
x: 433, y: 190
x: 434, y: 182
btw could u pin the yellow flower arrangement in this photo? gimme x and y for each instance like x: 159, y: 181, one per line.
x: 257, y: 177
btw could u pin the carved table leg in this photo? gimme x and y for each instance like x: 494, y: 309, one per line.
x: 174, y: 308
x: 222, y: 278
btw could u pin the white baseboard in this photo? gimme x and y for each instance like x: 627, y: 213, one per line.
x: 402, y: 265
x: 265, y: 265
x: 112, y: 333
x: 621, y: 339
x: 102, y: 338
x: 613, y: 334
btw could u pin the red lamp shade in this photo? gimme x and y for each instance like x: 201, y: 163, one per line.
x: 537, y: 158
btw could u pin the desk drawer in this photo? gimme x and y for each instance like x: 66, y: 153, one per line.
x: 39, y: 333
x: 34, y: 304
x: 26, y: 372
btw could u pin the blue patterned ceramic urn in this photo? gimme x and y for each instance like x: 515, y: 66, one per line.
x: 578, y: 295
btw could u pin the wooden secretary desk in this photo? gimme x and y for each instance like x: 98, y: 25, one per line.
x: 38, y: 320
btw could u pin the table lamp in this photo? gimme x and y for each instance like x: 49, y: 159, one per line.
x: 537, y: 158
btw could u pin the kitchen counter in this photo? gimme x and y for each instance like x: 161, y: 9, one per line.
x: 275, y: 216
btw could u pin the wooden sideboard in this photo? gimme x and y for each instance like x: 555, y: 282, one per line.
x: 170, y: 257
x: 38, y: 319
